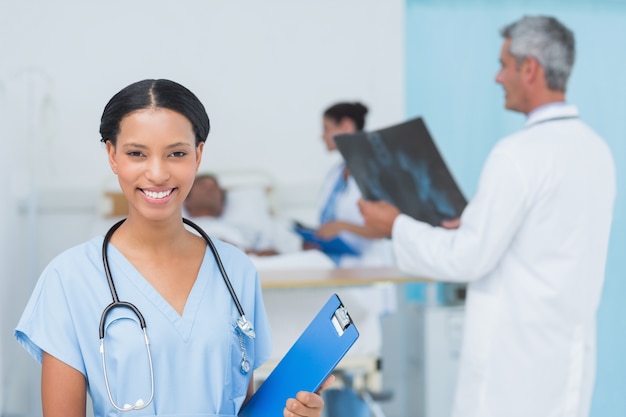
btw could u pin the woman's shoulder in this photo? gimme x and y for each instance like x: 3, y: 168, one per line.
x: 87, y: 247
x: 238, y: 268
x: 229, y: 252
x: 76, y: 257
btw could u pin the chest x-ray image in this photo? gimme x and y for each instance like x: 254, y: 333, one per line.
x: 402, y: 165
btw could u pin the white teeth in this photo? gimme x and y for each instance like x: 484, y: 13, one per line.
x: 157, y: 195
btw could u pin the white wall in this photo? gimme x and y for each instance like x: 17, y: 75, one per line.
x: 4, y: 241
x: 264, y: 70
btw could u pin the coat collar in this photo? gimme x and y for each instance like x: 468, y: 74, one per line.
x: 551, y: 111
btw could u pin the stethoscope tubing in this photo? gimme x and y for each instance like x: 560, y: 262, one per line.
x: 116, y: 301
x: 220, y: 265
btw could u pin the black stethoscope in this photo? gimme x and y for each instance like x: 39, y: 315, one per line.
x: 243, y: 324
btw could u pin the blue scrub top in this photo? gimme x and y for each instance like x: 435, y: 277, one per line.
x: 196, y: 356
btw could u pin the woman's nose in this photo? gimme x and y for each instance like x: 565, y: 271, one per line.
x: 157, y: 171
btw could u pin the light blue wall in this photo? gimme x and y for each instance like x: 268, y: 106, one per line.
x: 452, y: 58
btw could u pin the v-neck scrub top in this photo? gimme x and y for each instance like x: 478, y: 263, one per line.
x: 196, y: 356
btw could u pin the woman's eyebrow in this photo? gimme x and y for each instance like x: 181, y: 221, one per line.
x: 142, y: 146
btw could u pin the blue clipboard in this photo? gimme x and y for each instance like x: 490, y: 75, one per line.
x: 308, y: 363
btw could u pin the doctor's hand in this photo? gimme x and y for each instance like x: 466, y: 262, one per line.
x: 330, y: 229
x: 307, y: 404
x: 451, y: 224
x: 379, y: 215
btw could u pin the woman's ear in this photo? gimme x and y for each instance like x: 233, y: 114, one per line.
x: 112, y: 156
x: 199, y: 150
x: 346, y: 125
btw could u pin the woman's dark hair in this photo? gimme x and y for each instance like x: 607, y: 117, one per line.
x: 354, y: 111
x: 153, y: 94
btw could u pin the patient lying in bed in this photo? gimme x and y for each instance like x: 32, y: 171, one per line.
x: 240, y: 216
x: 206, y: 205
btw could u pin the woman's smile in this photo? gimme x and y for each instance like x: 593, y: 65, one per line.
x: 157, y: 195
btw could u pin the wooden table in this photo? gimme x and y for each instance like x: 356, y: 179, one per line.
x: 311, y: 277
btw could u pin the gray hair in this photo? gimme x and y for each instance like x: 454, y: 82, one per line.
x: 548, y: 41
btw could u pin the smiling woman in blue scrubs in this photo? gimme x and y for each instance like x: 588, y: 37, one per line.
x: 198, y: 361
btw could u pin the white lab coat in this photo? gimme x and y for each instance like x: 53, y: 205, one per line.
x: 532, y: 244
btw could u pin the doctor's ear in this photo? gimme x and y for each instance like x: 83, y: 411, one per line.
x: 532, y: 68
x: 111, y: 155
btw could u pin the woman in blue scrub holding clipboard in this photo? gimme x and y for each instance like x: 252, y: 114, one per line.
x: 187, y: 325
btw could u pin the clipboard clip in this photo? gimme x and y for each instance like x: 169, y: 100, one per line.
x: 341, y: 320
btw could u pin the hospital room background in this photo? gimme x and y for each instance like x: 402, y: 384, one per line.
x: 265, y: 71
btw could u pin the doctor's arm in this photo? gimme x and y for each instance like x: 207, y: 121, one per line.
x: 488, y: 226
x: 63, y: 389
x: 380, y: 216
x: 332, y: 229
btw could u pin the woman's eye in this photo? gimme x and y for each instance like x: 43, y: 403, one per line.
x: 179, y: 154
x: 134, y: 153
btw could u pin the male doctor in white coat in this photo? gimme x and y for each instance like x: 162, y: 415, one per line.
x: 532, y: 243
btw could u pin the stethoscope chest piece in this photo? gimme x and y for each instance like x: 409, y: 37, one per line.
x: 245, y: 363
x: 245, y: 366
